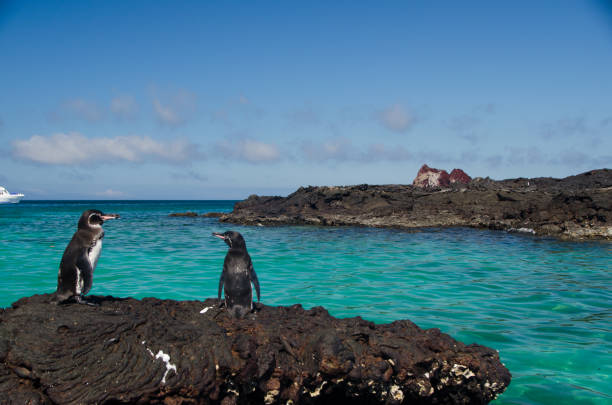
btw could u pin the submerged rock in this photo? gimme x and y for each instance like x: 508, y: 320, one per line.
x: 213, y: 214
x: 183, y: 214
x: 190, y: 352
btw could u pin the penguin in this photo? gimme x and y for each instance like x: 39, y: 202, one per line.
x: 237, y: 275
x: 80, y: 258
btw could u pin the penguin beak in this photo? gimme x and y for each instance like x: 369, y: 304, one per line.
x: 106, y: 217
x: 219, y: 235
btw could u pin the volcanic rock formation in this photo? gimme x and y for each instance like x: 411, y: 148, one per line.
x: 127, y: 351
x: 459, y: 176
x: 576, y: 207
x: 430, y: 177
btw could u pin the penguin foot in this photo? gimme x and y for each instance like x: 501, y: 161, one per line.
x: 82, y: 300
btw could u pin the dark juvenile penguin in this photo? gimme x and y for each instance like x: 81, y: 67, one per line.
x: 237, y: 276
x: 80, y: 258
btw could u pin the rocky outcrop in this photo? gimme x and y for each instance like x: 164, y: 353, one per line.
x: 576, y: 207
x: 459, y: 176
x: 430, y: 177
x: 127, y: 351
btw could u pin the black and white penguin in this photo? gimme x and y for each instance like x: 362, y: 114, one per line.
x: 237, y: 276
x: 80, y: 258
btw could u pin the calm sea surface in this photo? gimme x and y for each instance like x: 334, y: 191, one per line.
x: 545, y: 305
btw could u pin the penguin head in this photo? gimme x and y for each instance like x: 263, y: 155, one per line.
x: 94, y: 219
x: 233, y: 239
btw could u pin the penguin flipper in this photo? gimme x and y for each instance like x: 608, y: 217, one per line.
x: 254, y: 279
x: 85, y: 272
x: 221, y: 282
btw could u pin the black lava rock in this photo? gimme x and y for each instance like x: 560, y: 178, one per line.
x: 128, y: 351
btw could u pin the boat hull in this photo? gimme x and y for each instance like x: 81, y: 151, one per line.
x: 13, y: 199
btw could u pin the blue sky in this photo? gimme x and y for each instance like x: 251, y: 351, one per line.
x: 220, y: 100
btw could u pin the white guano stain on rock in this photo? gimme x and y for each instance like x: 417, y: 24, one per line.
x: 169, y: 366
x: 165, y: 358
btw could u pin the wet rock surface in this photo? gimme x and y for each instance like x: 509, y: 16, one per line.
x: 127, y: 351
x: 576, y: 207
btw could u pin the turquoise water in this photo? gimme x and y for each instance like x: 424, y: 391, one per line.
x: 545, y: 305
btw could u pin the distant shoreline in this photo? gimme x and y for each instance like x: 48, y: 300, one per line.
x: 124, y: 201
x: 574, y: 208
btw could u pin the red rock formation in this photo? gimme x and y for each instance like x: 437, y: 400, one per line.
x: 459, y: 176
x: 430, y: 177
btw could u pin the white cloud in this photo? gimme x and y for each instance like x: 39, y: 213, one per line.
x: 74, y: 148
x: 396, y: 118
x: 250, y: 150
x: 237, y: 112
x: 342, y: 150
x: 190, y: 175
x: 463, y: 123
x: 339, y: 149
x: 177, y: 109
x: 255, y: 151
x: 575, y: 158
x: 166, y: 114
x: 566, y: 127
x: 124, y: 106
x: 83, y: 109
x: 378, y: 152
x: 304, y: 117
x: 110, y: 193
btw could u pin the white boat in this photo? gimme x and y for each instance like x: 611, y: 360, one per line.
x: 6, y: 197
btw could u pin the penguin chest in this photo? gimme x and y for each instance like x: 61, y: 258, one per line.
x: 94, y: 253
x: 238, y: 285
